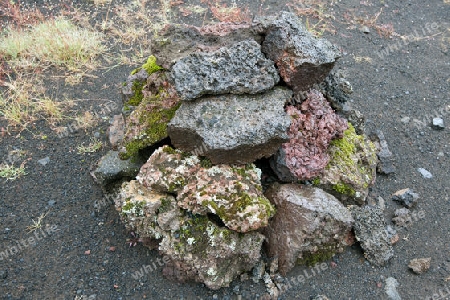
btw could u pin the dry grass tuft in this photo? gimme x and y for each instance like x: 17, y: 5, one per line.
x: 225, y: 13
x: 317, y: 18
x: 51, y: 43
x: 24, y: 101
x: 384, y: 30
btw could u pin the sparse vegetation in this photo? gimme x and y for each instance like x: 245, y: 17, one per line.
x: 10, y: 172
x: 36, y: 224
x: 93, y: 146
x: 56, y: 42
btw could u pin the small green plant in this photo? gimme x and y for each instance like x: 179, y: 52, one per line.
x: 12, y: 173
x: 93, y: 146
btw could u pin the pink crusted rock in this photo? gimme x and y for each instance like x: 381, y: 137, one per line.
x: 312, y: 128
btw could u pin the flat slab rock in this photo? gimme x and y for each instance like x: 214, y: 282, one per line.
x: 239, y: 69
x: 308, y: 221
x: 233, y: 129
x: 301, y: 58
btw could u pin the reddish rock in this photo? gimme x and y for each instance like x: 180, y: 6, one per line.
x: 308, y: 222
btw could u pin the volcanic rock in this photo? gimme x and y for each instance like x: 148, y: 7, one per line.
x: 232, y: 193
x: 420, y: 265
x: 406, y: 197
x: 370, y: 231
x: 239, y: 69
x: 195, y: 247
x: 233, y: 129
x: 309, y: 225
x: 301, y: 58
x: 111, y: 168
x: 352, y: 168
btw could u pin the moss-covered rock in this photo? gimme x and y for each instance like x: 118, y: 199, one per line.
x: 352, y: 167
x: 147, y: 124
x: 233, y: 193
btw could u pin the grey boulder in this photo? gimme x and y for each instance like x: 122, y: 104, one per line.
x: 233, y: 129
x: 239, y: 69
x: 301, y: 58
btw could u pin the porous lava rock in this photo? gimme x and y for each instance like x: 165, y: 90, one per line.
x: 233, y: 193
x: 370, y: 231
x: 233, y: 129
x: 310, y: 225
x: 239, y: 69
x: 301, y: 58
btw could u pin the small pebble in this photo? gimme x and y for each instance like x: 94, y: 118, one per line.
x: 425, y: 173
x: 405, y: 120
x: 44, y: 161
x: 438, y: 123
x: 420, y: 265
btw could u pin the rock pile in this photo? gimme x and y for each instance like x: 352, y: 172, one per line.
x: 212, y: 105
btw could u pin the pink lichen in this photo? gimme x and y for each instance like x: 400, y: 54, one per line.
x: 312, y: 128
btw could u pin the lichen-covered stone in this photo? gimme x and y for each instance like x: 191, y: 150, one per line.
x: 196, y: 248
x: 312, y: 128
x: 310, y: 225
x: 370, y: 231
x: 301, y: 58
x: 147, y: 124
x: 233, y: 193
x: 234, y: 129
x: 207, y: 253
x: 239, y: 69
x: 145, y: 212
x: 352, y: 168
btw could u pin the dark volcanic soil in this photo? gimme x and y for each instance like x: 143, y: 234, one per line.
x: 392, y: 79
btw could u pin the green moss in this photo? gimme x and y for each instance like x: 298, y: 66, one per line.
x: 345, y: 189
x: 169, y: 150
x: 155, y: 121
x: 166, y: 205
x: 311, y: 259
x: 316, y: 181
x: 137, y: 96
x: 150, y: 66
x: 350, y: 156
x: 205, y: 162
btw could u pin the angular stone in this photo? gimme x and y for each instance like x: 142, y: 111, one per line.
x: 232, y: 193
x: 313, y: 125
x: 420, y: 265
x: 370, y: 231
x: 402, y: 217
x: 194, y: 247
x: 352, y: 168
x: 233, y: 129
x: 406, y: 197
x: 386, y: 159
x: 301, y: 58
x: 145, y: 212
x: 147, y: 124
x: 175, y: 41
x: 239, y: 69
x: 116, y: 131
x: 111, y: 168
x: 309, y: 225
x: 205, y: 252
